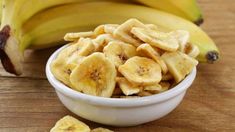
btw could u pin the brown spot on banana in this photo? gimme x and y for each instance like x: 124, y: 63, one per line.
x: 9, y: 52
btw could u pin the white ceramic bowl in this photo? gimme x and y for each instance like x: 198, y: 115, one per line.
x: 119, y: 112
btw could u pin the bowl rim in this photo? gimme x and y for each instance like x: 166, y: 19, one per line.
x: 117, y: 102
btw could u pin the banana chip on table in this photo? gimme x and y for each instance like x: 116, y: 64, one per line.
x: 164, y: 41
x: 119, y: 52
x: 70, y: 124
x: 61, y: 68
x: 123, y: 32
x: 150, y: 52
x: 100, y: 129
x: 94, y: 76
x: 141, y: 71
x: 179, y: 64
x: 77, y: 36
x: 127, y: 87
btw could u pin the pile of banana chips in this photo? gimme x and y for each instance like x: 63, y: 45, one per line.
x: 129, y: 60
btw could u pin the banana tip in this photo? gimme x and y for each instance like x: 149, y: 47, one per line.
x: 199, y: 21
x: 212, y: 56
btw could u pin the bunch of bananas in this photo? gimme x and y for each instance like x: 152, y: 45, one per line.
x: 37, y: 24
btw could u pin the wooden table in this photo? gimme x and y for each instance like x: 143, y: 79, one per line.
x: 29, y: 103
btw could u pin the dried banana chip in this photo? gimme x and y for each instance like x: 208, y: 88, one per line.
x: 141, y: 71
x: 179, y: 64
x: 94, y: 76
x: 100, y: 129
x: 62, y: 67
x: 150, y: 52
x: 154, y: 89
x: 110, y: 28
x: 119, y: 52
x: 76, y: 36
x: 127, y: 87
x: 164, y: 41
x: 182, y: 36
x: 123, y: 32
x: 102, y: 40
x: 99, y: 30
x: 70, y: 124
x: 191, y: 50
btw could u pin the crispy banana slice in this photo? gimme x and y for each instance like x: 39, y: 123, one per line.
x: 99, y: 30
x: 76, y: 36
x: 110, y: 28
x: 119, y: 52
x: 167, y: 77
x: 123, y: 32
x: 155, y: 89
x: 73, y: 61
x: 94, y: 76
x: 141, y: 70
x: 191, y: 50
x: 102, y: 40
x: 183, y: 37
x: 179, y: 64
x: 70, y: 124
x: 150, y: 52
x: 62, y: 66
x: 127, y: 87
x: 100, y: 129
x: 164, y: 41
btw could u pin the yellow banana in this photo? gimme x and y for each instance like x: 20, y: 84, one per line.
x: 48, y: 27
x: 187, y: 9
x: 41, y: 33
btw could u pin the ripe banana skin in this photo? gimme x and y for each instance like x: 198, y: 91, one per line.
x: 44, y: 32
x: 187, y: 9
x: 47, y: 28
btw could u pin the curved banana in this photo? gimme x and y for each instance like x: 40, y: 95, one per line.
x: 14, y: 14
x: 187, y: 9
x: 48, y: 27
x: 41, y: 33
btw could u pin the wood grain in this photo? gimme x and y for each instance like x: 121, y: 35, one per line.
x: 29, y: 104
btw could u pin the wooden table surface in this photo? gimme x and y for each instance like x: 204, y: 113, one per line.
x: 29, y: 103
